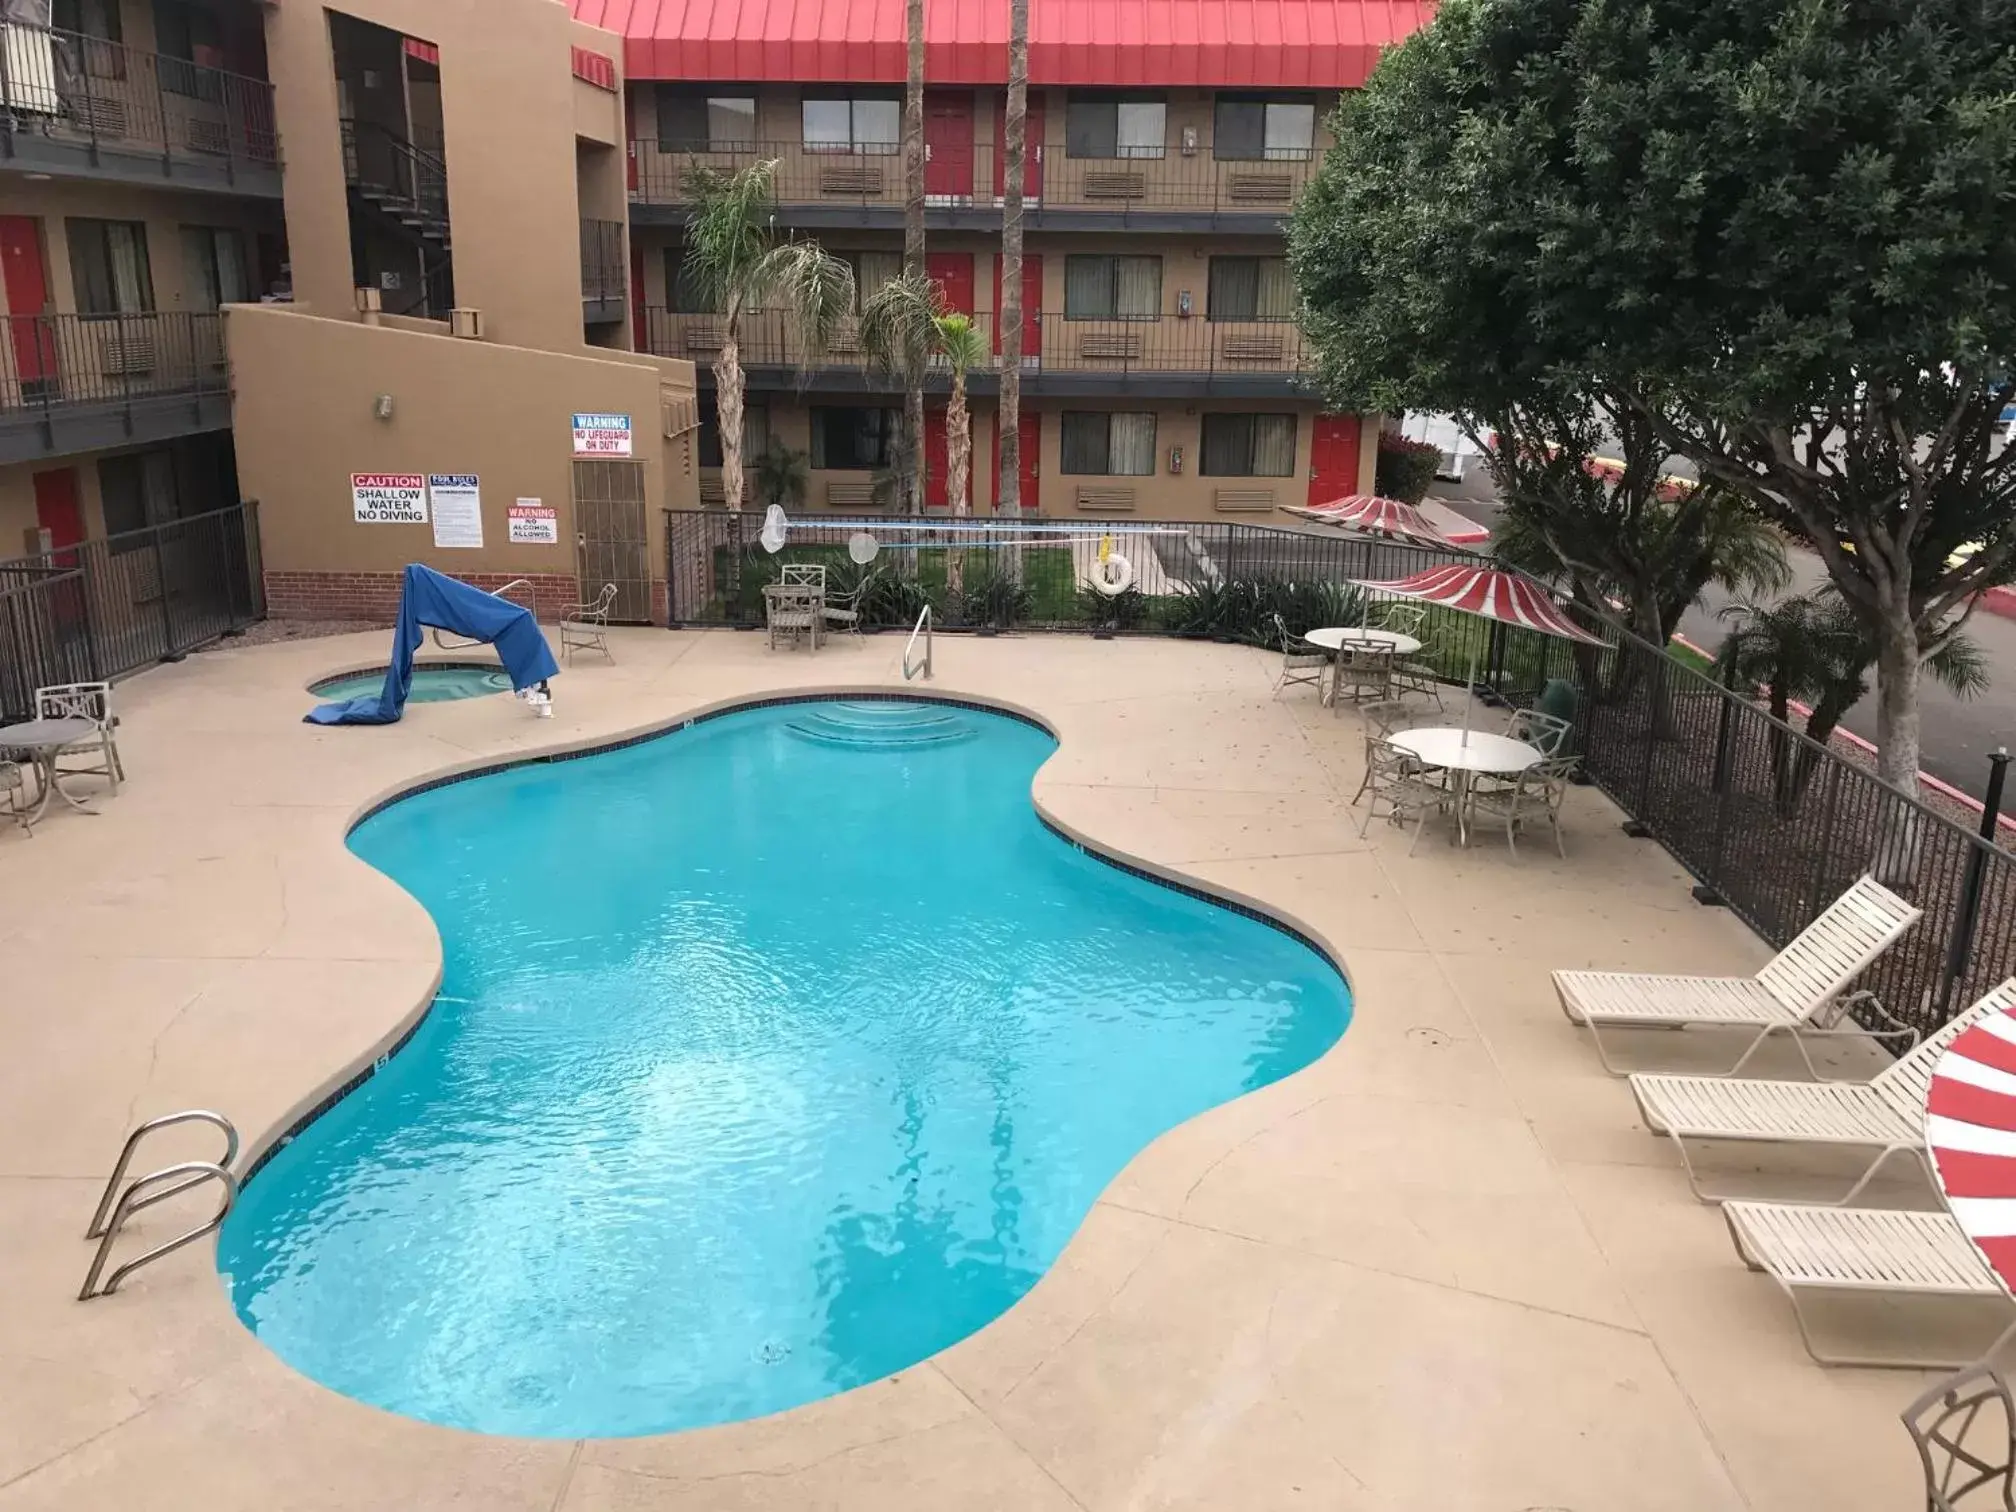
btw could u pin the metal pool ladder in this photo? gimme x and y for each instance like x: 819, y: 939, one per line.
x: 115, y: 1206
x: 923, y: 628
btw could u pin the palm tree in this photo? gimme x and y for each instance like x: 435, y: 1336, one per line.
x: 913, y: 236
x: 1008, y: 488
x: 964, y: 348
x: 736, y: 266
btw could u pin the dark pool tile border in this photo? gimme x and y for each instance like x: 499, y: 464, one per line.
x: 377, y: 1063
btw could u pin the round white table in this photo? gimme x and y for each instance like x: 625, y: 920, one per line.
x: 1337, y: 637
x: 1466, y: 753
x: 44, y: 740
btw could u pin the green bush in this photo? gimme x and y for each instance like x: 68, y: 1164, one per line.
x: 1406, y: 469
x: 990, y: 597
x: 1126, y: 610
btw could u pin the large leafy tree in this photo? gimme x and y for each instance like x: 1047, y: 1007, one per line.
x: 1778, y: 229
x: 736, y: 265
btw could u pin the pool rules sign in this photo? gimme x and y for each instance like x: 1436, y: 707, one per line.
x: 388, y: 498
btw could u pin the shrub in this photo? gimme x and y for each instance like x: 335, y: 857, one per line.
x: 1406, y: 469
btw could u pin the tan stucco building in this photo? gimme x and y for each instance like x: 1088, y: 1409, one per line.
x: 321, y: 257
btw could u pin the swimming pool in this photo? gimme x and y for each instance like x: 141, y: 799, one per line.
x: 433, y: 682
x: 771, y: 1057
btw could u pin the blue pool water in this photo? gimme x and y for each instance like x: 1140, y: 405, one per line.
x: 771, y: 1057
x: 435, y: 683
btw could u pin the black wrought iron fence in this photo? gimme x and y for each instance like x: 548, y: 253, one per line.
x: 105, y: 607
x: 1771, y: 823
x: 53, y: 363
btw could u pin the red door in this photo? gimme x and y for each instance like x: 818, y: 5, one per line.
x: 56, y: 507
x: 953, y: 272
x: 1032, y: 306
x: 1333, y: 458
x: 1032, y: 149
x: 948, y: 143
x: 936, y: 461
x: 26, y: 280
x: 1031, y: 430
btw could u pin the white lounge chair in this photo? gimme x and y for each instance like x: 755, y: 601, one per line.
x: 1870, y: 1252
x: 1795, y: 994
x: 1886, y: 1114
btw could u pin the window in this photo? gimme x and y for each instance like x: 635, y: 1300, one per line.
x: 863, y: 121
x: 1248, y: 446
x: 192, y: 48
x: 1249, y: 127
x: 1097, y: 287
x: 705, y: 120
x: 99, y: 21
x: 755, y: 434
x: 1108, y: 445
x: 1115, y: 126
x: 138, y: 490
x: 1250, y: 288
x: 683, y: 294
x: 213, y: 261
x: 847, y: 438
x: 871, y: 271
x: 108, y: 266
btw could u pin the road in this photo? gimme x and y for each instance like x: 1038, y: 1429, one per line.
x: 1957, y: 734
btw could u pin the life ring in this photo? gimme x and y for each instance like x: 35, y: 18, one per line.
x: 1113, y: 575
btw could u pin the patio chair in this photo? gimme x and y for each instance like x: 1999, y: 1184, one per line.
x: 92, y: 701
x: 1797, y: 993
x: 1544, y: 732
x: 1886, y: 1114
x: 790, y: 616
x: 1406, y: 619
x: 1867, y: 1252
x: 1395, y: 777
x: 1381, y: 720
x: 1364, y: 672
x: 585, y: 627
x: 803, y: 575
x: 14, y: 788
x: 845, y: 608
x: 1301, y: 663
x: 1536, y: 793
x: 1965, y: 1430
x: 1416, y: 678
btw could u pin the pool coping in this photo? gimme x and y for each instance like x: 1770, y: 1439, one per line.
x: 259, y: 1152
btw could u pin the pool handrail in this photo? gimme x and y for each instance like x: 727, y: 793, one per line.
x: 922, y: 627
x: 462, y: 642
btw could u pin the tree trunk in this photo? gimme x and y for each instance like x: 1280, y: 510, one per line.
x: 958, y: 470
x: 1014, y: 151
x: 913, y: 237
x: 728, y: 407
x: 1897, y: 672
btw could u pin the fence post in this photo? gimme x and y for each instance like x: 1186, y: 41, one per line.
x: 1718, y: 784
x: 169, y: 650
x: 1961, y: 947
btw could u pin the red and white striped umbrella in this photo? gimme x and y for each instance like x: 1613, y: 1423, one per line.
x: 1376, y: 516
x: 1489, y: 592
x: 1970, y: 1127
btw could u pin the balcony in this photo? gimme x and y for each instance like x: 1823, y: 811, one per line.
x: 75, y: 382
x: 82, y: 107
x: 603, y: 291
x: 1176, y: 192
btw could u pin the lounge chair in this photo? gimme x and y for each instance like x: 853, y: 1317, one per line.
x: 1886, y: 1115
x: 1871, y: 1252
x: 1795, y: 994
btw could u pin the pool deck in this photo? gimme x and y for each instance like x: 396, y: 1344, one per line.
x: 1442, y: 1269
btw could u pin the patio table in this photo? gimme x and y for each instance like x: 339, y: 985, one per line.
x: 1466, y: 753
x: 43, y: 740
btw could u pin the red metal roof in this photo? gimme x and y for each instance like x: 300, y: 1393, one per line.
x: 1281, y: 44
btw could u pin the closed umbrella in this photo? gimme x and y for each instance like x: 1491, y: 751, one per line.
x: 1491, y: 593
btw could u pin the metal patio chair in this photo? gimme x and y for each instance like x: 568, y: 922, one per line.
x: 92, y: 701
x: 14, y: 789
x: 1965, y: 1430
x: 585, y: 627
x: 1301, y: 663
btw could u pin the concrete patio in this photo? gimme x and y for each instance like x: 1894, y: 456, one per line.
x: 1443, y: 1269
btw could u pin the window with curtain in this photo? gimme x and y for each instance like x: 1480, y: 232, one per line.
x: 713, y: 119
x: 138, y: 490
x: 1248, y: 128
x: 1248, y: 446
x: 97, y: 20
x: 852, y: 438
x: 858, y: 121
x: 1115, y: 126
x: 1099, y: 287
x: 1250, y: 288
x: 1103, y: 444
x: 871, y: 271
x: 108, y: 266
x: 213, y: 259
x: 191, y: 44
x: 755, y: 433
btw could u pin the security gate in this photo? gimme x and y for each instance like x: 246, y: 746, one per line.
x: 610, y: 540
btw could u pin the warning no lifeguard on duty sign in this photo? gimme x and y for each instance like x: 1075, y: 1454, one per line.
x: 601, y: 435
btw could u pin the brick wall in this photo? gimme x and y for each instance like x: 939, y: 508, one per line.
x: 375, y: 595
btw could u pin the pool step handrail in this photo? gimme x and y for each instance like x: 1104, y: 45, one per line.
x: 115, y: 1207
x: 456, y: 642
x: 184, y: 1176
x: 923, y: 628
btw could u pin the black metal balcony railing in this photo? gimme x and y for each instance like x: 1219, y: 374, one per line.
x: 602, y: 278
x: 49, y: 363
x: 873, y: 177
x: 1172, y: 345
x: 107, y: 97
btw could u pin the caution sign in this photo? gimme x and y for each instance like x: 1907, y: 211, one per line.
x: 388, y: 498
